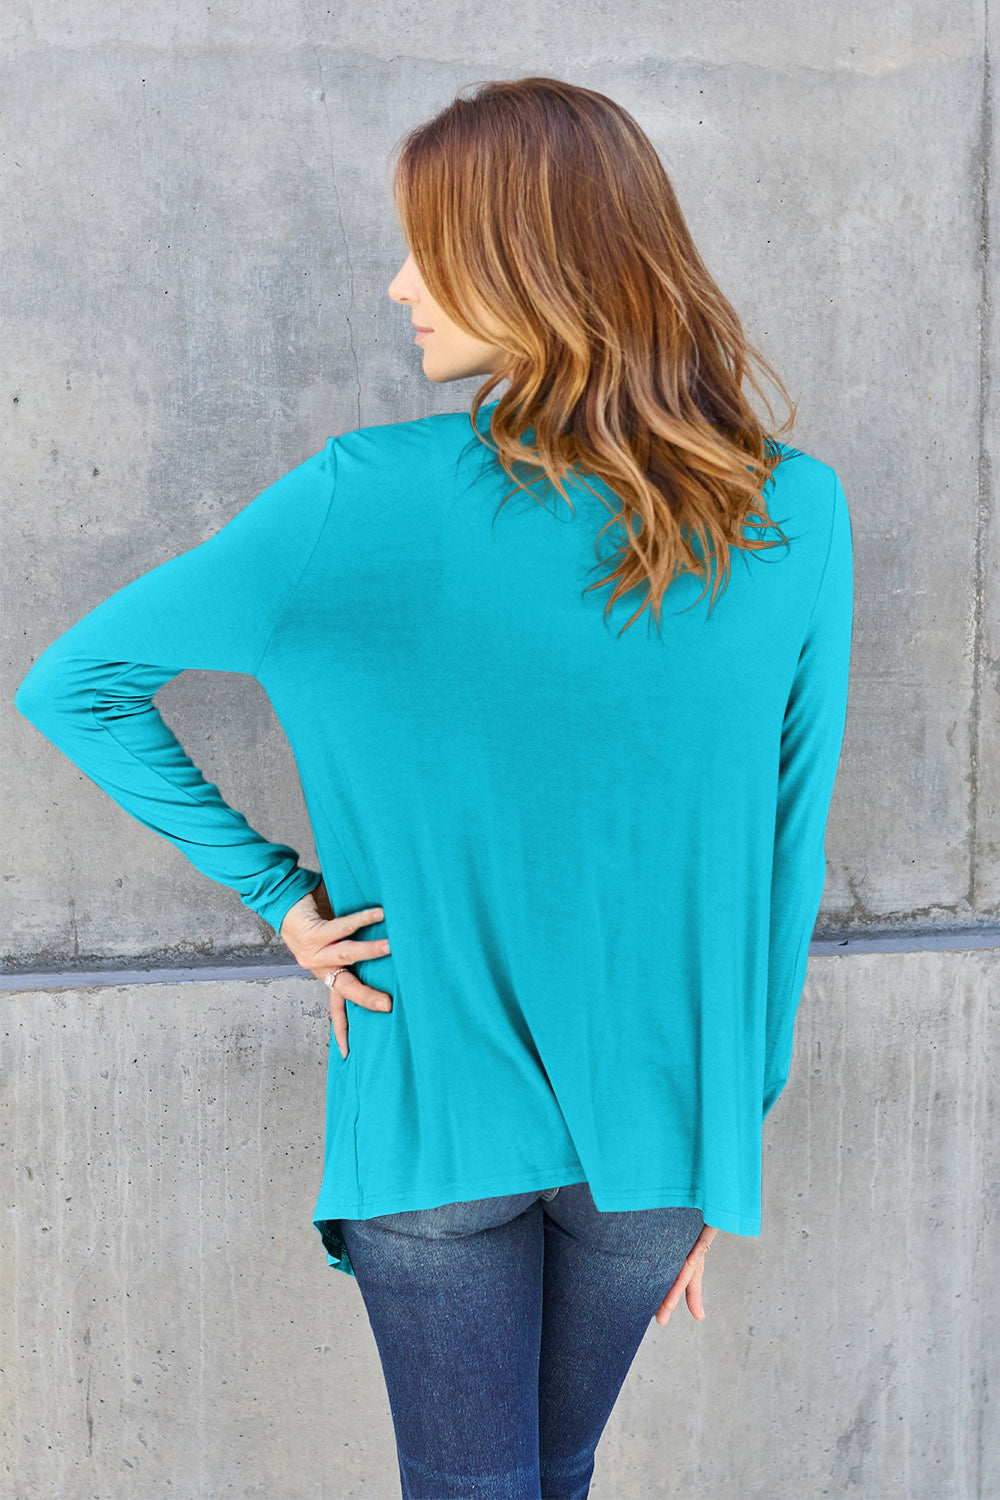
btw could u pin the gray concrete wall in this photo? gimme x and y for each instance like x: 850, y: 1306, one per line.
x: 174, y: 1328
x: 199, y: 239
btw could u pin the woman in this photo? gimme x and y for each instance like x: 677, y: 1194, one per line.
x: 588, y: 816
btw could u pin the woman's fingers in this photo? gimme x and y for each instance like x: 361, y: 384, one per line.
x: 338, y: 1015
x: 693, y: 1292
x: 308, y: 930
x: 688, y: 1281
x: 348, y: 986
x: 322, y: 942
x: 349, y: 922
x: 346, y: 951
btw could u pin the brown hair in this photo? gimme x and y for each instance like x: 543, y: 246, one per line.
x: 543, y: 221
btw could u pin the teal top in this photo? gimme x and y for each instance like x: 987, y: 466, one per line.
x: 600, y: 856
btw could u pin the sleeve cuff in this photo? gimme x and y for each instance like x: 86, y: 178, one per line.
x: 300, y: 882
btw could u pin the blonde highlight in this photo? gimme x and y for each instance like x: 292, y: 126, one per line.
x: 543, y: 222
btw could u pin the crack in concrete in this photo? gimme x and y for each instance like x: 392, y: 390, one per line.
x: 340, y: 212
x: 981, y: 662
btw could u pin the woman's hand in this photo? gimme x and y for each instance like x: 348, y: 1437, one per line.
x: 689, y: 1279
x: 320, y: 941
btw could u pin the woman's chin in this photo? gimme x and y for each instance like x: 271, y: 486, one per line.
x: 440, y: 374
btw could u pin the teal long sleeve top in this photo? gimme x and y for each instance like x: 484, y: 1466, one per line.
x: 600, y: 856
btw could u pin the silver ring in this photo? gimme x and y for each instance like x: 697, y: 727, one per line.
x: 331, y: 974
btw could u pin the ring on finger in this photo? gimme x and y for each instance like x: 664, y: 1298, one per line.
x: 329, y: 978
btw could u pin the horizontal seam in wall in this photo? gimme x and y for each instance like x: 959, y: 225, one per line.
x: 830, y: 947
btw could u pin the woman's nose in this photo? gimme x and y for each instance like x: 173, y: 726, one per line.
x: 397, y: 291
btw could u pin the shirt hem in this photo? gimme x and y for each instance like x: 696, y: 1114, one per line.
x: 622, y: 1200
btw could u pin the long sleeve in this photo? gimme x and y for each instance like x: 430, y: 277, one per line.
x: 811, y: 739
x: 212, y: 608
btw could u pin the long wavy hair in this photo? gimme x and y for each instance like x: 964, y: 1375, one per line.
x: 543, y: 222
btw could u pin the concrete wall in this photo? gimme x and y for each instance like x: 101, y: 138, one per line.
x: 174, y: 1329
x: 199, y: 239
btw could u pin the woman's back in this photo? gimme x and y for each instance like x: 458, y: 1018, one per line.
x: 599, y: 852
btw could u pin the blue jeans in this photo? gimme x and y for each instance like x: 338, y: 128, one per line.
x: 505, y: 1328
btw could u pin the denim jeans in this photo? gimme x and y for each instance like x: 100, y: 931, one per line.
x: 506, y: 1328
